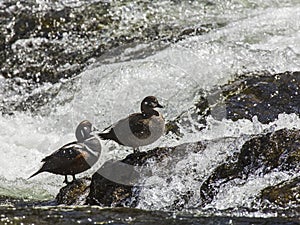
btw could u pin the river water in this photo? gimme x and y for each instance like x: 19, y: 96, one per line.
x: 252, y: 35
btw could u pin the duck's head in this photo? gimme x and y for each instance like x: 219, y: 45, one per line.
x: 84, y: 130
x: 149, y: 104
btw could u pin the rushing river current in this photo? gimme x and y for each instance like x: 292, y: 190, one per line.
x: 241, y: 36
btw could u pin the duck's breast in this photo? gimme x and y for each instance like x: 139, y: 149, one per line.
x: 136, y: 131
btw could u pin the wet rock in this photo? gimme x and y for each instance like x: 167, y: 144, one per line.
x: 116, y: 183
x: 262, y: 94
x: 42, y: 43
x: 25, y: 95
x: 74, y: 193
x: 111, y: 185
x: 262, y: 154
x: 181, y: 201
x: 285, y: 194
x: 190, y: 120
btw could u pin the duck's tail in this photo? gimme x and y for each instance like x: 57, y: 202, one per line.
x: 110, y: 136
x: 36, y: 173
x: 105, y: 136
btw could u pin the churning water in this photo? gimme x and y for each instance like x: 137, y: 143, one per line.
x: 256, y: 36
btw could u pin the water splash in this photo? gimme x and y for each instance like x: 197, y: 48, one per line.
x: 258, y: 39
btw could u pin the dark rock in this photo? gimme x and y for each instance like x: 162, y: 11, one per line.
x: 261, y: 94
x: 74, y: 193
x: 284, y: 194
x: 115, y: 183
x: 172, y: 127
x: 181, y: 201
x: 111, y: 185
x: 190, y: 120
x: 262, y: 154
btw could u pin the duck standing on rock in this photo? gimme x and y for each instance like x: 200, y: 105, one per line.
x: 75, y: 157
x: 138, y: 129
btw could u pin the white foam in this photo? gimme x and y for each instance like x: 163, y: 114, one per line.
x: 264, y: 39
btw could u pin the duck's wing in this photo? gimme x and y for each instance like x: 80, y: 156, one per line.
x: 117, y: 130
x: 139, y: 125
x: 65, y: 160
x: 63, y: 156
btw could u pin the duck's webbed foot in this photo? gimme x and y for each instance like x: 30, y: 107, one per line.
x: 136, y: 150
x: 69, y: 182
x: 66, y: 180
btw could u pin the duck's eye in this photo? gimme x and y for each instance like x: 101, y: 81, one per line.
x: 146, y: 103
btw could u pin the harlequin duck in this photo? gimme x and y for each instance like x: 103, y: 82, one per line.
x: 138, y: 129
x: 74, y: 157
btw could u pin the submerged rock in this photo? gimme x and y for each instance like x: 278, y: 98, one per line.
x: 262, y: 154
x: 74, y: 193
x: 284, y: 194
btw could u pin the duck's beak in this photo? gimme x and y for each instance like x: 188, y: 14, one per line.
x: 159, y: 105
